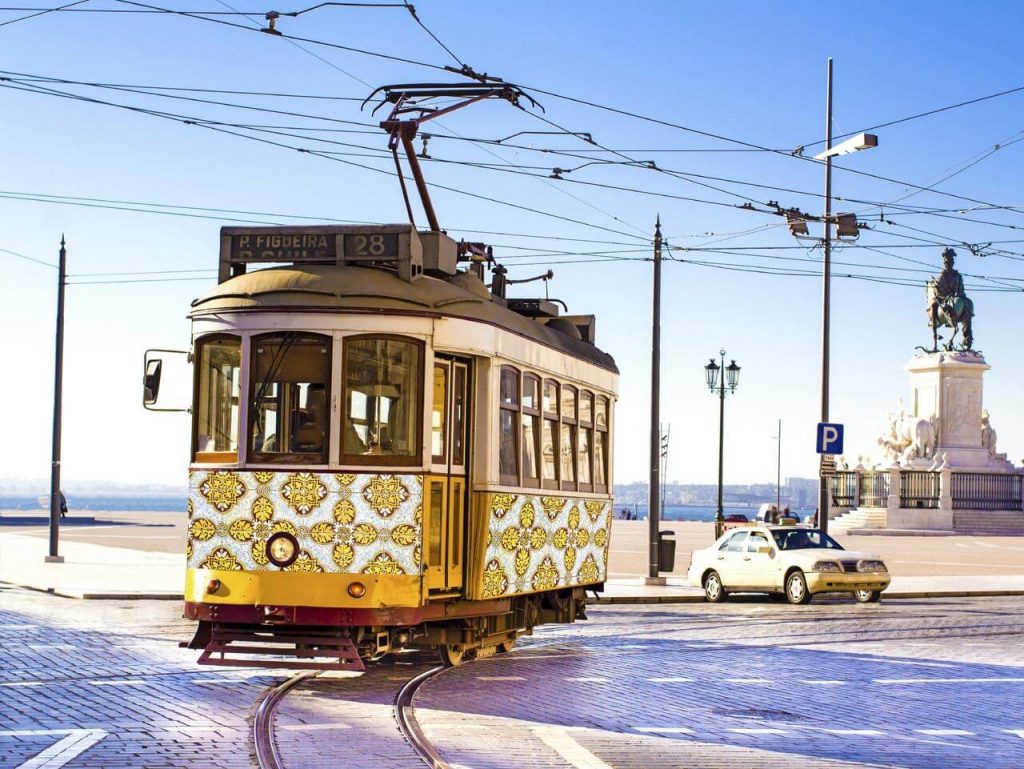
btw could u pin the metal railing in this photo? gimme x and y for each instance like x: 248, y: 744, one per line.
x: 874, y: 488
x: 919, y: 489
x: 843, y: 488
x: 986, y: 491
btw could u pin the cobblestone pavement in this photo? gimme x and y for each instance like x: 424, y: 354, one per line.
x: 916, y: 684
x: 753, y: 684
x: 103, y: 684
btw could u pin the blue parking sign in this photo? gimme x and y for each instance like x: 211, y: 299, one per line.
x: 830, y: 438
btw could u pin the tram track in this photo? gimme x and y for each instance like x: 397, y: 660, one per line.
x: 268, y: 756
x: 405, y: 714
x: 263, y: 724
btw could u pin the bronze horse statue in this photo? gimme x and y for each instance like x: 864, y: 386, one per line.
x: 949, y: 306
x: 954, y: 312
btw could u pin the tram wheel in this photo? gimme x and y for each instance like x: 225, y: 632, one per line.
x: 452, y: 655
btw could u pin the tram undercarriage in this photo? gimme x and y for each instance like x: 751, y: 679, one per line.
x: 347, y: 639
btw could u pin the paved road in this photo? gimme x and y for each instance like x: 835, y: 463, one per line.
x: 747, y: 684
x: 925, y: 685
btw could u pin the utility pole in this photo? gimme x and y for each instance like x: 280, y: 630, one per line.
x: 826, y: 270
x: 58, y: 375
x: 653, y: 502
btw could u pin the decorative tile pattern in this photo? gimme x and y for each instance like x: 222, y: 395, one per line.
x: 541, y: 543
x: 353, y: 524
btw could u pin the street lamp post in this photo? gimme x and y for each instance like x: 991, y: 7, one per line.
x: 730, y: 376
x: 854, y: 144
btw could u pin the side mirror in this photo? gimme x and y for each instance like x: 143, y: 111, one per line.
x: 765, y: 549
x: 151, y: 381
x: 179, y: 377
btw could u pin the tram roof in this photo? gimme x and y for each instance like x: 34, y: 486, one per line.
x: 347, y: 288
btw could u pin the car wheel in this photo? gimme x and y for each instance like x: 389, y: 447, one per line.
x: 868, y: 596
x: 714, y: 592
x: 796, y: 588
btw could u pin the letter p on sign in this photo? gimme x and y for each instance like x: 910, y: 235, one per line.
x: 830, y: 438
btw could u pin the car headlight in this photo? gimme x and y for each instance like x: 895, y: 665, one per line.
x: 826, y: 566
x: 282, y: 549
x: 871, y: 566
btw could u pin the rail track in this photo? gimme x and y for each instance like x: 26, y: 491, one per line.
x: 268, y: 757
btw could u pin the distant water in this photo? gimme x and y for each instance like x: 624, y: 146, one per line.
x: 100, y: 502
x: 177, y: 504
x: 695, y: 512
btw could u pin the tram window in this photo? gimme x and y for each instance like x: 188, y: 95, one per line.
x: 434, y: 534
x: 531, y: 430
x: 600, y: 460
x: 218, y: 388
x: 568, y: 403
x: 288, y: 410
x: 584, y: 456
x: 548, y: 453
x: 586, y: 432
x: 568, y: 459
x: 601, y: 443
x: 550, y: 404
x: 508, y: 433
x: 509, y: 386
x: 568, y: 438
x: 438, y: 417
x: 549, y: 435
x: 586, y: 408
x: 459, y: 415
x: 382, y: 401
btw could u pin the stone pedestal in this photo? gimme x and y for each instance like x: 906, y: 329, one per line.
x: 948, y: 387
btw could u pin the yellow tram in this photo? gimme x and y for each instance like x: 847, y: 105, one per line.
x: 388, y: 453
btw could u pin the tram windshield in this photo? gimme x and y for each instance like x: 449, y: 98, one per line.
x: 288, y: 410
x: 382, y: 400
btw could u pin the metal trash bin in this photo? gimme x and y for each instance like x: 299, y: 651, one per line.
x: 666, y: 551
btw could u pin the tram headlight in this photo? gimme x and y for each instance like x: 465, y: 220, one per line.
x: 213, y: 586
x: 282, y: 549
x: 357, y: 590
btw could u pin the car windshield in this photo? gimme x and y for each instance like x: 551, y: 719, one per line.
x: 804, y: 539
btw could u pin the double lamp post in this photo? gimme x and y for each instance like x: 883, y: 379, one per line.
x: 730, y: 377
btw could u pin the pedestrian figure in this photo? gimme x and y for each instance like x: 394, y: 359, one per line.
x: 63, y: 505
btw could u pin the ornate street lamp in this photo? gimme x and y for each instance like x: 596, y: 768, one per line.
x: 729, y: 381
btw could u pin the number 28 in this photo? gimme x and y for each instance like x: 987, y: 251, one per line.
x: 372, y: 245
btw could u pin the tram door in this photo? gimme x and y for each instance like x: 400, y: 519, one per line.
x: 446, y: 497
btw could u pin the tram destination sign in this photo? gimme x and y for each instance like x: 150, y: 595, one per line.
x: 283, y: 247
x: 313, y: 245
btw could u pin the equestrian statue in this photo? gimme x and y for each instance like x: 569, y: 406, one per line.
x: 949, y: 305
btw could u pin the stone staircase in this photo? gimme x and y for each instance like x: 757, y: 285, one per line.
x: 991, y: 522
x: 861, y: 518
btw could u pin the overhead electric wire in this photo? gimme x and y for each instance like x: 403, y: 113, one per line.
x: 325, y: 44
x: 187, y: 89
x: 29, y: 258
x: 40, y: 12
x: 412, y: 12
x: 927, y: 113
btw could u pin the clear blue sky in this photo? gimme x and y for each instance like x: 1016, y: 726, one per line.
x: 749, y: 71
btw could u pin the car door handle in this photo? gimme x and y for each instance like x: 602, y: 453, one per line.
x: 721, y: 558
x: 746, y: 558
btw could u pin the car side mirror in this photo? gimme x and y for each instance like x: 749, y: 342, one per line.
x: 766, y: 550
